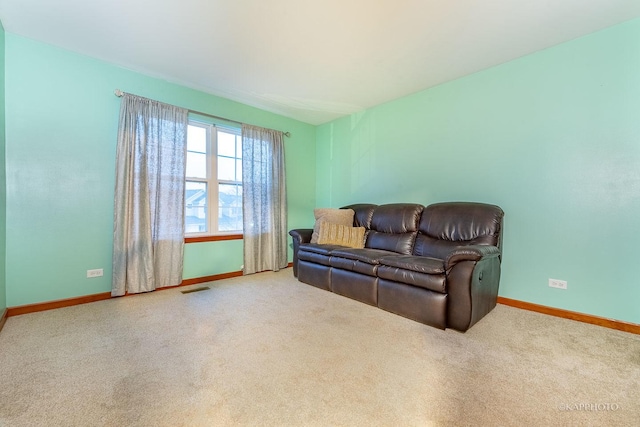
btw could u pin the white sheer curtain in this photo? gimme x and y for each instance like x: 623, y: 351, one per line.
x: 148, y: 236
x: 264, y: 200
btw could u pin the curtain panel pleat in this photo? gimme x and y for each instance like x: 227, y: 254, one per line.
x: 264, y: 200
x: 148, y: 237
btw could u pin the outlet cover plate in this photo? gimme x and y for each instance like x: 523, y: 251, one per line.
x: 556, y: 283
x: 98, y: 272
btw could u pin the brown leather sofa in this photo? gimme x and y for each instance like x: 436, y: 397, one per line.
x: 438, y: 265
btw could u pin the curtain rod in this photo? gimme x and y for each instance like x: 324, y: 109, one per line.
x: 119, y: 94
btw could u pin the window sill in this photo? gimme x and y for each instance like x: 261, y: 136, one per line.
x: 214, y: 238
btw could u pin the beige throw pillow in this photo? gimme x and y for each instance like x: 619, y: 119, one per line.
x: 335, y: 216
x: 336, y: 234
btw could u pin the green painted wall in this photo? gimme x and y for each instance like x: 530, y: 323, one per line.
x: 61, y: 123
x: 3, y: 192
x: 553, y: 138
x: 220, y: 257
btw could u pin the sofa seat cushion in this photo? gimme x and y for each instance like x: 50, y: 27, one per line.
x: 319, y: 249
x: 369, y: 256
x: 415, y: 263
x: 353, y: 265
x: 320, y: 254
x: 423, y: 272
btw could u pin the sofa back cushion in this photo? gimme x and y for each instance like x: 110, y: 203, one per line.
x: 445, y: 226
x: 394, y: 227
x: 363, y: 214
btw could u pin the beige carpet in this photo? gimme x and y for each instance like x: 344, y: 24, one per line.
x: 268, y: 350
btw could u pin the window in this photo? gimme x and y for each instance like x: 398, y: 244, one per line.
x: 213, y: 196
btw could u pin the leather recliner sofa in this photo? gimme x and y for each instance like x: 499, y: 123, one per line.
x: 438, y: 265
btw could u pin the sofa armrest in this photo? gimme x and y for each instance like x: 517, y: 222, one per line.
x: 300, y: 235
x: 470, y: 253
x: 473, y: 278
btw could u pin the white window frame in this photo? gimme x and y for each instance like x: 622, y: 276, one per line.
x: 212, y: 180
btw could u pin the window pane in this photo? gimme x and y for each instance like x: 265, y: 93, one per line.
x: 201, y: 167
x: 226, y: 144
x: 195, y: 207
x: 230, y: 207
x: 226, y: 168
x: 196, y: 165
x: 197, y: 139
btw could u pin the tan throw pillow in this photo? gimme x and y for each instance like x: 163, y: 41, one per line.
x: 336, y: 234
x: 335, y: 216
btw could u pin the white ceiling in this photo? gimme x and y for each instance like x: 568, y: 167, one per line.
x: 310, y: 60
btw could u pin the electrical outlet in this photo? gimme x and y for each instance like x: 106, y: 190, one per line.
x: 555, y: 283
x: 98, y: 272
